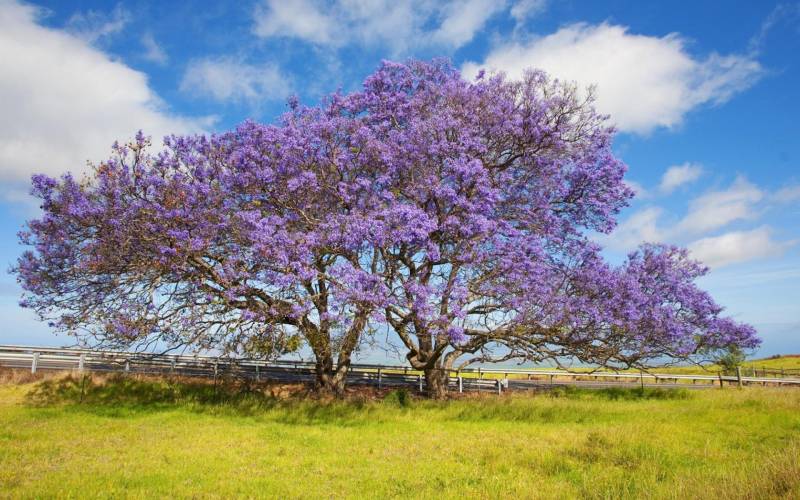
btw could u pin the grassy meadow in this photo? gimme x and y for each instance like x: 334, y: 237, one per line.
x: 135, y: 437
x: 791, y: 363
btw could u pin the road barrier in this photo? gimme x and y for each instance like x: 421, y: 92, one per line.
x: 477, y: 379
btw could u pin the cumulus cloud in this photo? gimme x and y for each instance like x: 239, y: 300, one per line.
x: 229, y: 79
x: 396, y: 24
x: 678, y: 175
x: 737, y: 246
x: 716, y: 209
x: 65, y: 101
x: 153, y: 51
x: 643, y: 82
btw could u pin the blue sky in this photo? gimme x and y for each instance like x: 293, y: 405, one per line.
x: 706, y: 96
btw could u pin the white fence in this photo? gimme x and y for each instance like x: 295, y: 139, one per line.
x: 478, y: 379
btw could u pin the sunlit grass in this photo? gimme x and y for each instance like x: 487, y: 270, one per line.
x: 791, y: 363
x: 128, y: 437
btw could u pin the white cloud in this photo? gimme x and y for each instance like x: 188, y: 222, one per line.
x: 719, y: 208
x: 788, y: 194
x: 65, y: 102
x: 773, y: 275
x: 153, y: 52
x: 678, y: 175
x: 787, y: 13
x: 639, y: 191
x: 707, y: 213
x: 228, y: 79
x: 92, y: 26
x: 298, y: 19
x: 640, y: 227
x: 397, y: 24
x: 462, y: 19
x: 737, y: 246
x: 643, y: 82
x: 522, y: 10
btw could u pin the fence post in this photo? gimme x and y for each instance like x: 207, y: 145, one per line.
x: 127, y: 366
x: 739, y: 375
x: 499, y: 386
x: 551, y: 379
x: 34, y: 362
x: 641, y: 379
x: 480, y: 373
x: 460, y: 384
x: 419, y: 379
x: 720, y: 381
x: 258, y: 373
x: 172, y: 366
x: 81, y: 362
x: 380, y: 379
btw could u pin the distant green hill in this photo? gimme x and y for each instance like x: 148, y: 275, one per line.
x: 788, y: 362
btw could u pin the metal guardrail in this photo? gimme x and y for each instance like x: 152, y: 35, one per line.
x: 477, y: 379
x: 68, y: 359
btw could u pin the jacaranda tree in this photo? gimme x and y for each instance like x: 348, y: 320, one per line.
x: 456, y: 214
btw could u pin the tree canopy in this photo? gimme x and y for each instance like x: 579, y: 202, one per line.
x: 457, y: 214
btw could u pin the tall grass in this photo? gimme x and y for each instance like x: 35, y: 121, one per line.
x: 135, y: 437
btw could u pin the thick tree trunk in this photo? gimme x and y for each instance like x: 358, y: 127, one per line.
x: 436, y: 382
x: 331, y: 374
x: 330, y: 378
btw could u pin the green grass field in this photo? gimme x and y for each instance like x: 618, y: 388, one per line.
x: 785, y: 362
x: 788, y: 362
x: 133, y: 437
x: 791, y: 363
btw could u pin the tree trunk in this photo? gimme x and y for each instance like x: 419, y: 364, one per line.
x: 332, y: 373
x: 331, y: 380
x: 436, y: 382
